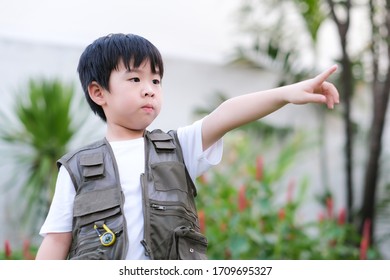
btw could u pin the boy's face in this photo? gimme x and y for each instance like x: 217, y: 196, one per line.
x: 134, y: 98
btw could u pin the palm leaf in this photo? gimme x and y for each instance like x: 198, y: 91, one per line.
x: 35, y: 136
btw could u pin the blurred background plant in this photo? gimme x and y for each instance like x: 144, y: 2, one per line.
x: 251, y: 208
x: 286, y: 35
x: 28, y: 251
x: 35, y: 135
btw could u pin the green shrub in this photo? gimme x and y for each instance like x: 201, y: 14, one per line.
x: 244, y: 217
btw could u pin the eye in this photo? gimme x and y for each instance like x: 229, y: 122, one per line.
x: 135, y: 79
x: 156, y: 81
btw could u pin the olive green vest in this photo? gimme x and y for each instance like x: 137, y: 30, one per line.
x: 99, y: 225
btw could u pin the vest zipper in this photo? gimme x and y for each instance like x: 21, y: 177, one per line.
x: 158, y: 207
x: 176, y: 209
x: 145, y: 241
x: 146, y: 246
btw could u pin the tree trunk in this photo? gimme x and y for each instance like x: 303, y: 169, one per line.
x: 346, y: 94
x: 381, y: 93
x: 347, y: 86
x: 372, y: 170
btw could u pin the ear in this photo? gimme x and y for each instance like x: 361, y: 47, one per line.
x: 96, y: 92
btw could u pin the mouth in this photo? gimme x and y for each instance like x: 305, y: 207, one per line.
x: 148, y: 108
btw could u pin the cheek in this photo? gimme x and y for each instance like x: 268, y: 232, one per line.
x: 125, y: 103
x: 160, y: 102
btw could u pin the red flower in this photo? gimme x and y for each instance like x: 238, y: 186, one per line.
x: 202, y: 179
x: 321, y: 217
x: 7, y: 249
x: 329, y: 207
x: 26, y: 250
x: 242, y: 201
x: 365, y: 242
x: 259, y: 168
x: 202, y: 221
x: 290, y: 191
x: 342, y: 215
x: 228, y: 254
x: 281, y: 214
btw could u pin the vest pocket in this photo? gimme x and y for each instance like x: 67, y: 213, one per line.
x: 89, y: 247
x: 100, y: 208
x: 92, y: 166
x: 169, y: 239
x: 168, y: 176
x: 188, y: 244
x: 96, y: 205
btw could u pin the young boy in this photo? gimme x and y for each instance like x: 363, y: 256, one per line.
x: 121, y: 77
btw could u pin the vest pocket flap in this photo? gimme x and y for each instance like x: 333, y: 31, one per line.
x: 164, y: 145
x: 159, y: 137
x: 162, y: 141
x: 188, y: 244
x: 96, y: 201
x: 98, y: 216
x: 92, y: 164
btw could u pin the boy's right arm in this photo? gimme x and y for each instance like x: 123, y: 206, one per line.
x: 246, y: 108
x: 55, y: 246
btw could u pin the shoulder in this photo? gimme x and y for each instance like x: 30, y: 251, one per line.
x: 192, y: 128
x: 190, y: 134
x: 86, y: 162
x: 86, y: 149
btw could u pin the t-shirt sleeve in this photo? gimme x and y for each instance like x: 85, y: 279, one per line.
x: 197, y: 160
x: 59, y: 218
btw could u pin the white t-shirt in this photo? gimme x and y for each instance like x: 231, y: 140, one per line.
x: 130, y: 159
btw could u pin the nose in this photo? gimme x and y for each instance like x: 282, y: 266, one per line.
x: 148, y: 94
x: 148, y: 91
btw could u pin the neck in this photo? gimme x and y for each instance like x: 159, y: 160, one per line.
x: 122, y: 133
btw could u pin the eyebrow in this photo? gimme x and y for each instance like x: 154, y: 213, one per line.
x: 136, y: 70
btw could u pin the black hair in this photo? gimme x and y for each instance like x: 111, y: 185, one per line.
x: 103, y: 56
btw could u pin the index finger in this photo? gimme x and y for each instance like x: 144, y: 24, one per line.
x: 320, y: 78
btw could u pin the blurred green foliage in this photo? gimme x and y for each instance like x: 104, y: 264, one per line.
x: 35, y: 135
x: 251, y: 209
